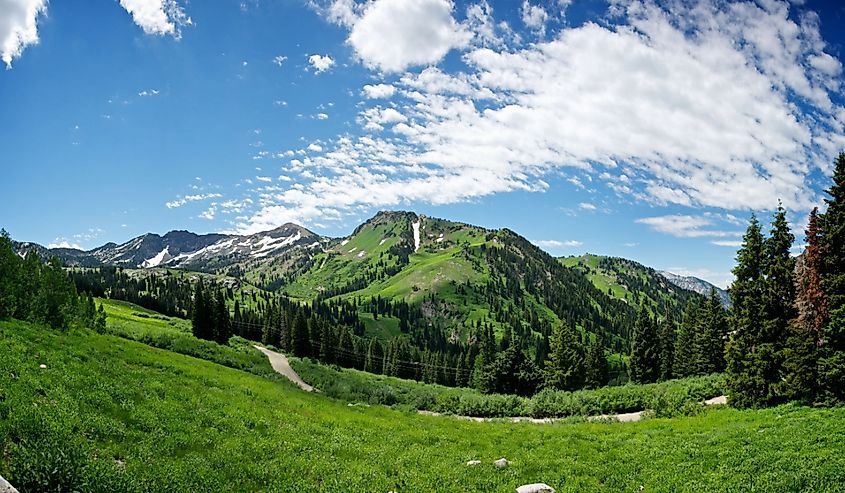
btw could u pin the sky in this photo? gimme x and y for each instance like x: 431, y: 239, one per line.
x: 635, y: 128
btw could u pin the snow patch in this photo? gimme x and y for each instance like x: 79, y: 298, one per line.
x: 382, y: 241
x: 416, y: 227
x: 344, y: 242
x: 361, y: 254
x: 353, y: 249
x: 155, y: 261
x: 268, y: 244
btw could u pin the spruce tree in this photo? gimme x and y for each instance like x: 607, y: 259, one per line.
x: 708, y: 354
x: 744, y: 376
x: 375, y: 356
x: 684, y: 343
x: 198, y: 315
x: 801, y: 353
x: 645, y: 352
x: 10, y: 265
x: 666, y: 341
x: 596, y: 365
x: 300, y: 343
x: 832, y: 340
x: 564, y: 368
x: 222, y: 324
x: 327, y: 344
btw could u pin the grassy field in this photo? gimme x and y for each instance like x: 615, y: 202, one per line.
x: 108, y: 414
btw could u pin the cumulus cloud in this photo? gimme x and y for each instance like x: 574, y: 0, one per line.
x: 179, y: 202
x: 392, y: 35
x: 159, y: 17
x: 278, y: 60
x: 555, y: 244
x: 587, y: 206
x: 377, y: 91
x: 18, y: 26
x: 534, y: 17
x: 727, y: 243
x: 710, y: 104
x: 685, y: 226
x: 64, y: 243
x: 320, y: 63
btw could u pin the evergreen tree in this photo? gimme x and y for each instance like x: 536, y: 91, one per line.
x: 744, y: 377
x: 375, y: 356
x: 222, y: 324
x: 327, y: 344
x: 684, y: 343
x: 515, y: 373
x: 801, y: 354
x: 564, y: 368
x: 645, y: 351
x: 596, y: 366
x: 709, y: 339
x: 832, y: 358
x: 666, y: 341
x: 10, y: 265
x: 300, y: 344
x: 482, y: 371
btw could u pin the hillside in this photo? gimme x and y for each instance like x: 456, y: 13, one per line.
x: 633, y: 283
x: 143, y: 419
x: 435, y: 279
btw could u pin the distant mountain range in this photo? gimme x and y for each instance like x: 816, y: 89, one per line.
x: 700, y: 286
x: 456, y: 273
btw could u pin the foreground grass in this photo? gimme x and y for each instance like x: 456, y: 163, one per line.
x: 108, y: 414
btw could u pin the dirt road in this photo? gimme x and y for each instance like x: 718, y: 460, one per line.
x: 280, y: 363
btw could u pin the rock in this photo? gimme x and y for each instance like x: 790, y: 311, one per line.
x: 5, y: 487
x: 535, y: 488
x: 42, y: 366
x: 473, y: 462
x: 501, y: 463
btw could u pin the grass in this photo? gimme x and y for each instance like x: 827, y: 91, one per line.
x: 108, y: 414
x: 672, y: 398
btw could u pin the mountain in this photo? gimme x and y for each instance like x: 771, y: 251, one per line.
x: 633, y: 283
x: 697, y: 285
x: 434, y: 279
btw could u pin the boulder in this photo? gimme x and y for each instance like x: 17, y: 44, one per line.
x: 5, y: 487
x: 501, y: 463
x: 535, y: 488
x: 473, y: 462
x: 42, y: 366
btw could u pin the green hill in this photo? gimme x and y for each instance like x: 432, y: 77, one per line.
x: 107, y: 414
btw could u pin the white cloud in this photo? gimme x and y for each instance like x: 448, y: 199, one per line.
x: 265, y: 179
x: 209, y: 213
x: 151, y: 92
x: 586, y: 206
x: 18, y: 26
x: 392, y: 35
x: 555, y: 244
x: 313, y: 147
x: 727, y: 243
x: 698, y: 112
x: 179, y: 202
x: 535, y: 17
x: 685, y: 226
x: 322, y: 116
x: 377, y: 91
x: 320, y: 63
x: 279, y: 60
x: 159, y: 17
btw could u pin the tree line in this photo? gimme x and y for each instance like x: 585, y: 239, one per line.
x: 39, y: 292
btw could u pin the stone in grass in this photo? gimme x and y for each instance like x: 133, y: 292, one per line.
x: 501, y: 463
x: 535, y: 488
x: 42, y: 366
x: 473, y: 462
x: 5, y: 487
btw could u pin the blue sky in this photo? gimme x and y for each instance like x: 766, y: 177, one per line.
x: 635, y: 128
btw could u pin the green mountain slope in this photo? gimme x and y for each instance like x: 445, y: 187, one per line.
x: 632, y: 283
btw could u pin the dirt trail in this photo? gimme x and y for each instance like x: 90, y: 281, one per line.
x: 280, y: 363
x: 622, y: 418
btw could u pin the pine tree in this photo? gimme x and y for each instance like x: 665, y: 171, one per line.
x: 666, y: 341
x: 10, y: 266
x: 745, y: 381
x: 482, y: 378
x: 300, y: 344
x: 222, y: 324
x: 564, y: 368
x: 375, y: 356
x: 801, y: 354
x: 596, y: 366
x: 327, y: 344
x: 515, y: 373
x: 684, y: 343
x: 832, y: 360
x: 709, y: 339
x: 645, y: 353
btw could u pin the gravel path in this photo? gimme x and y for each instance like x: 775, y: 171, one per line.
x: 280, y: 363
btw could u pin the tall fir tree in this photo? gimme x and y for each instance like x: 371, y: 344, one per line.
x: 801, y: 354
x: 832, y: 358
x: 564, y: 369
x: 300, y: 337
x: 745, y: 380
x: 684, y: 343
x: 597, y: 372
x: 709, y: 339
x: 645, y: 352
x: 198, y: 311
x: 375, y: 357
x: 666, y: 340
x: 222, y: 324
